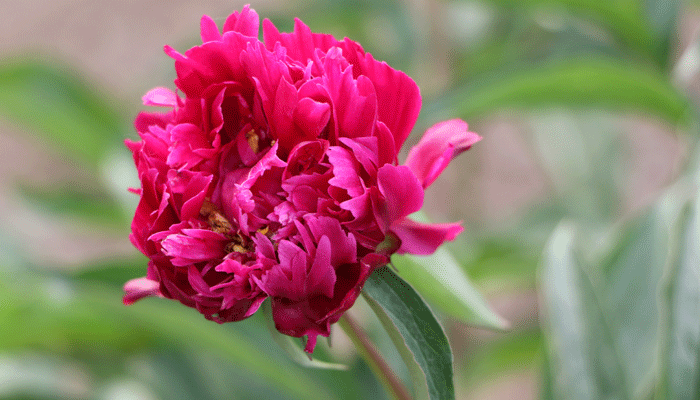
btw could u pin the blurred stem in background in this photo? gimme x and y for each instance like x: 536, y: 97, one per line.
x: 374, y: 359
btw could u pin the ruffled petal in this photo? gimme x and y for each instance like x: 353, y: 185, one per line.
x: 247, y: 22
x: 138, y: 288
x: 301, y: 44
x: 440, y: 144
x: 423, y: 239
x: 160, y: 97
x: 402, y: 192
x: 209, y: 30
x: 398, y: 96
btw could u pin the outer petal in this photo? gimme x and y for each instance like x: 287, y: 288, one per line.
x: 440, y: 144
x: 146, y: 120
x: 301, y: 44
x: 423, y: 239
x: 402, y: 192
x: 321, y: 275
x: 211, y: 63
x: 398, y: 96
x: 138, y: 288
x: 247, y: 22
x: 161, y: 97
x: 354, y: 100
x: 209, y: 30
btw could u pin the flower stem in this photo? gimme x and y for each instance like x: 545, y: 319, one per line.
x: 375, y: 361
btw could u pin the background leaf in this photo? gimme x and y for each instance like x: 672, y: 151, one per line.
x: 60, y: 107
x: 86, y: 316
x: 662, y: 16
x: 576, y: 84
x: 90, y: 204
x: 620, y: 17
x: 442, y: 281
x: 572, y: 370
x: 679, y: 348
x: 602, y: 316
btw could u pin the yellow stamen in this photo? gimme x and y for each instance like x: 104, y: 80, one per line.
x: 253, y: 140
x: 215, y: 218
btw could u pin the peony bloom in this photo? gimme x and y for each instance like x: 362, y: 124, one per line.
x: 273, y: 173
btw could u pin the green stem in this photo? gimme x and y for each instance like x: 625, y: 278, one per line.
x: 377, y: 364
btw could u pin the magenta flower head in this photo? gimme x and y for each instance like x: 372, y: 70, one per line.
x: 273, y: 173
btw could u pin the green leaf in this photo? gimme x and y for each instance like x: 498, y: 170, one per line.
x: 662, y: 15
x: 113, y: 272
x: 621, y: 18
x: 291, y: 346
x: 175, y: 375
x: 182, y: 326
x: 511, y: 353
x: 444, y: 283
x: 88, y: 204
x: 58, y: 307
x: 679, y: 298
x: 59, y: 106
x: 414, y: 330
x: 576, y: 84
x: 501, y: 259
x: 64, y: 316
x: 630, y: 281
x: 546, y: 381
x: 601, y: 316
x: 583, y: 360
x: 565, y: 323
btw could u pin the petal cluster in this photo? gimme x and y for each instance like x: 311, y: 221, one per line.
x: 273, y: 173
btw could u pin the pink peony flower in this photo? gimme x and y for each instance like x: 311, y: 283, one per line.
x: 275, y: 175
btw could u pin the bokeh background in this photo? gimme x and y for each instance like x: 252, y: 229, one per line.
x: 577, y: 203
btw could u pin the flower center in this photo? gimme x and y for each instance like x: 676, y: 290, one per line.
x: 215, y: 218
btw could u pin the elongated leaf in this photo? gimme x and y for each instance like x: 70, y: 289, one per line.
x: 679, y: 350
x: 113, y: 272
x: 571, y: 367
x: 92, y: 205
x: 583, y: 356
x: 414, y: 329
x: 88, y: 316
x: 176, y: 375
x: 54, y: 104
x: 167, y: 319
x: 620, y: 17
x: 661, y: 15
x: 546, y: 392
x: 579, y: 83
x: 629, y: 282
x: 442, y: 281
x: 602, y: 319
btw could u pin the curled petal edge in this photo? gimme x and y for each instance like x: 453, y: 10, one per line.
x: 440, y: 144
x: 137, y: 289
x: 423, y: 239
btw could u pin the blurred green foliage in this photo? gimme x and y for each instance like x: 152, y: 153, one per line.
x: 618, y: 293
